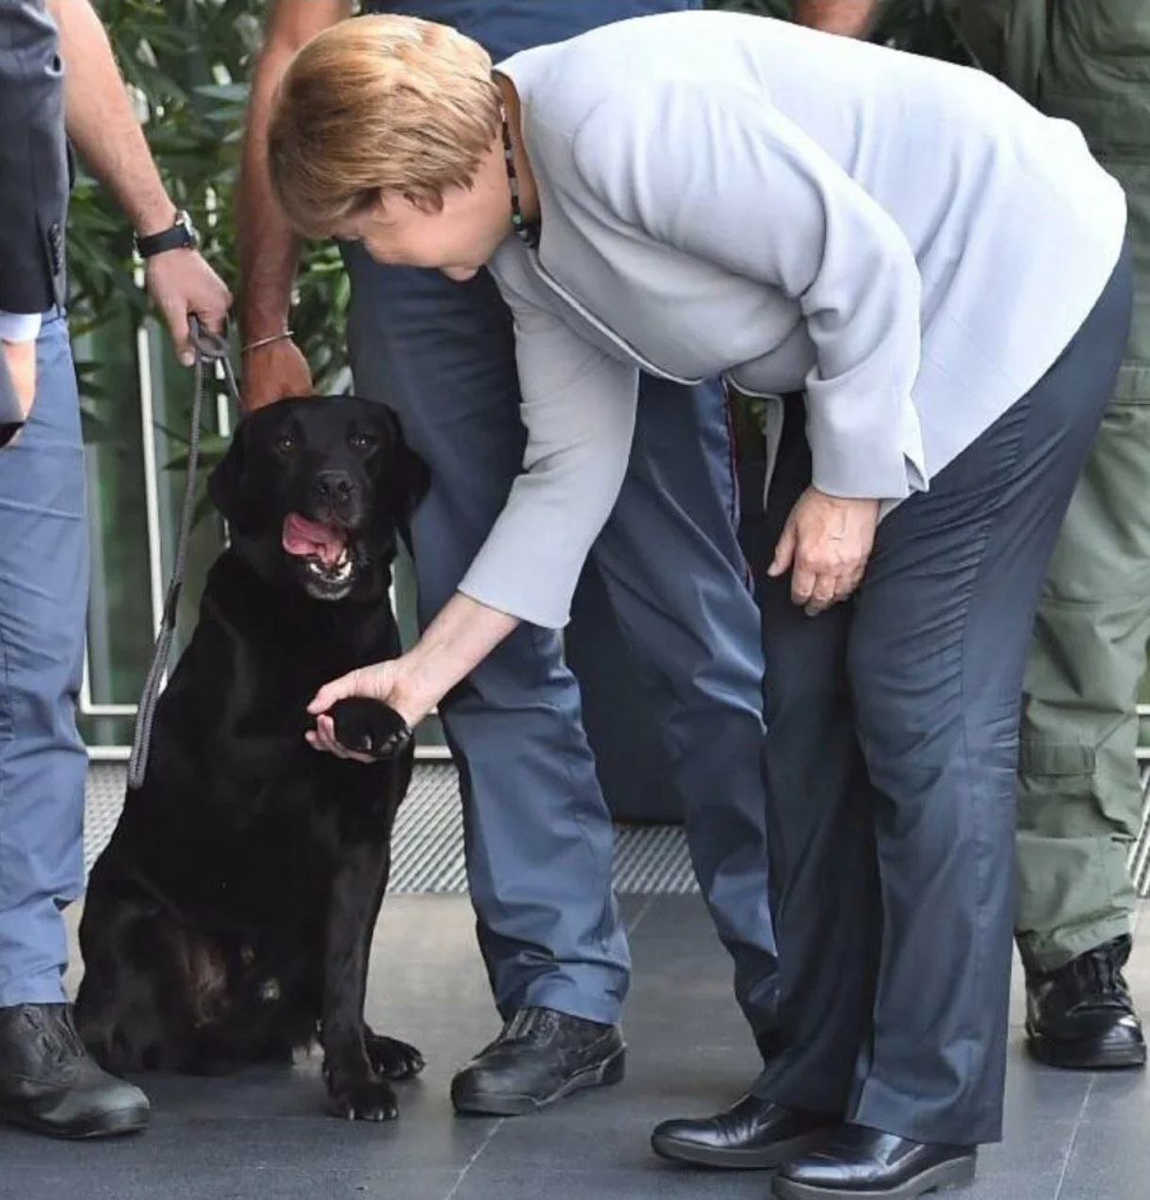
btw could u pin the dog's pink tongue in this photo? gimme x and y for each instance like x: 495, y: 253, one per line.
x: 311, y: 539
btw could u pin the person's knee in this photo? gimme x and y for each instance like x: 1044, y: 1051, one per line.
x: 40, y: 707
x: 908, y: 707
x: 42, y: 662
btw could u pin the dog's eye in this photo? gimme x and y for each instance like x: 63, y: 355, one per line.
x: 286, y: 444
x: 361, y: 441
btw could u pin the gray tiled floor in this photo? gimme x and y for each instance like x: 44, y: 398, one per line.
x: 263, y: 1134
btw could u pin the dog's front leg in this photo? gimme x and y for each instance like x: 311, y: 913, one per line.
x: 355, y: 1089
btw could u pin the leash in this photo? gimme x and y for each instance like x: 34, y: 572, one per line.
x: 210, y: 348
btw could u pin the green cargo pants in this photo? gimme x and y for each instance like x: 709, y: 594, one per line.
x: 1079, y: 799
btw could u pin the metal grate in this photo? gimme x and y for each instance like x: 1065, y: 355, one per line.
x: 428, y: 844
x: 106, y: 784
x: 427, y: 850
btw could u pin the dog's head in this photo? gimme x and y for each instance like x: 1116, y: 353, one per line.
x: 314, y: 490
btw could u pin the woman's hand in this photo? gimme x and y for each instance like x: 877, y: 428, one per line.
x: 456, y: 642
x: 382, y: 682
x: 827, y: 541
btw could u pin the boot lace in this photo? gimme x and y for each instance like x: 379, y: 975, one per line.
x: 1099, y: 973
x: 55, y: 1033
x: 533, y: 1026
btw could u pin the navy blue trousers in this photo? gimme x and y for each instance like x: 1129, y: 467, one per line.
x: 538, y: 834
x: 43, y: 601
x: 892, y: 751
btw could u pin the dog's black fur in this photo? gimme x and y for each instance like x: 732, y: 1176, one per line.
x: 230, y: 918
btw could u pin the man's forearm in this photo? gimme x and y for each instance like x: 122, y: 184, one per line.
x: 101, y: 122
x: 852, y: 18
x: 268, y: 250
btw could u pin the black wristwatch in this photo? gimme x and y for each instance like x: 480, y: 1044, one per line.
x: 181, y: 236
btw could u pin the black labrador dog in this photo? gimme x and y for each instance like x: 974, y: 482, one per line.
x: 229, y: 920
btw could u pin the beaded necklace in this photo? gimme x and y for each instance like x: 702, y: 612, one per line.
x: 526, y: 231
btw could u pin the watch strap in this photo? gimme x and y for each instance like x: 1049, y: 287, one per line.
x: 178, y: 237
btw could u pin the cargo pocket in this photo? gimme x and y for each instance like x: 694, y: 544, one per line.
x: 1056, y: 788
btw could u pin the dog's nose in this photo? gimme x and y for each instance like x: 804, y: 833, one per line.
x: 333, y: 490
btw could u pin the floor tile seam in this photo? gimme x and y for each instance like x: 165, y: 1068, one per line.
x: 1078, y: 1121
x: 644, y: 909
x: 475, y: 1158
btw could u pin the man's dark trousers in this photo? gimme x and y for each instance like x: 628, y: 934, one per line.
x: 539, y: 837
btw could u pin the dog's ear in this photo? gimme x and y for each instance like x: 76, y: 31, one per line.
x: 225, y: 484
x: 414, y: 476
x: 409, y: 477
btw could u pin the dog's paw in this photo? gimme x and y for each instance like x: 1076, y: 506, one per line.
x: 393, y: 1059
x: 366, y: 1100
x: 369, y: 727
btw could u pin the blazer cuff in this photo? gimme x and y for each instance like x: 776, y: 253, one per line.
x: 867, y: 463
x: 505, y: 592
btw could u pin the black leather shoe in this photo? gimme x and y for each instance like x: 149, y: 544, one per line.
x: 856, y: 1161
x: 540, y: 1057
x: 1081, y: 1016
x: 49, y: 1083
x: 753, y: 1135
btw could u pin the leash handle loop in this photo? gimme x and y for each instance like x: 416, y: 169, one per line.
x: 209, y: 348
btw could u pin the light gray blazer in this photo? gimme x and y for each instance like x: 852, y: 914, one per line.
x: 722, y: 194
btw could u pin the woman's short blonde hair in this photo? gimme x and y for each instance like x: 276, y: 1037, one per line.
x: 379, y: 102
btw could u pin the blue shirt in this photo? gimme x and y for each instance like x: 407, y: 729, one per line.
x: 504, y: 27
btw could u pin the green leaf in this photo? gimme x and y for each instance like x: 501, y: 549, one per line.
x: 212, y: 449
x: 232, y: 93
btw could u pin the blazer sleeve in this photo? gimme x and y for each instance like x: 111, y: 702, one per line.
x: 718, y: 173
x: 33, y: 159
x: 578, y: 407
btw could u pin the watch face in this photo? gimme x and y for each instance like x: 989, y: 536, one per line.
x: 185, y: 221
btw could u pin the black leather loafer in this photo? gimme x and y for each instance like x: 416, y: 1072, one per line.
x: 753, y: 1135
x: 856, y: 1161
x: 540, y: 1057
